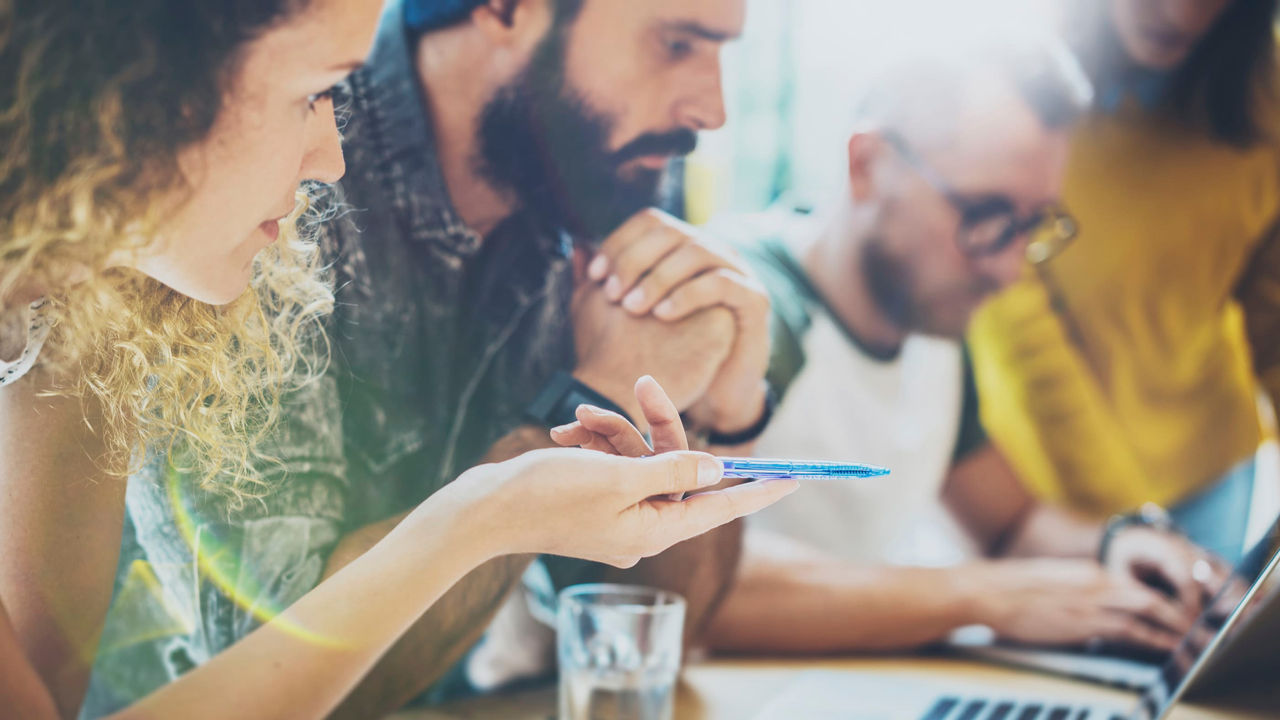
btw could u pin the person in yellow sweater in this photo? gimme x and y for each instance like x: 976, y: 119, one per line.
x: 1119, y: 372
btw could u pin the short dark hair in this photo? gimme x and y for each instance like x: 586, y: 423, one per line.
x: 424, y: 16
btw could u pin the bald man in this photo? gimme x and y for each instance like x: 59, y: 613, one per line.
x: 953, y: 180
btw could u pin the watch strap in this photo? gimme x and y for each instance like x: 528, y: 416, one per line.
x: 557, y: 403
x: 1150, y: 515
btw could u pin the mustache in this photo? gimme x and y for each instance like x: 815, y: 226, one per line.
x: 674, y: 143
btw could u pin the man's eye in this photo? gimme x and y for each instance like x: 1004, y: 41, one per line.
x: 986, y: 208
x: 679, y: 49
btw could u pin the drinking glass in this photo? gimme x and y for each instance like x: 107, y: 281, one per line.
x: 619, y: 648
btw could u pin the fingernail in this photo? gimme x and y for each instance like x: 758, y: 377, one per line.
x: 598, y: 267
x: 634, y: 300
x: 664, y: 309
x: 710, y: 472
x: 613, y: 288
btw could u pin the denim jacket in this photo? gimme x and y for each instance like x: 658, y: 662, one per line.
x: 440, y: 340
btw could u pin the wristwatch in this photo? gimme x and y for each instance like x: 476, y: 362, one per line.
x: 752, y: 433
x: 558, y: 402
x: 1150, y: 515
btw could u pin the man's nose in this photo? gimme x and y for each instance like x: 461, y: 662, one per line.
x: 702, y: 107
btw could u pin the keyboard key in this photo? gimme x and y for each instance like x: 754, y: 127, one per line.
x: 971, y: 710
x: 941, y: 709
x: 1030, y: 712
x: 1001, y: 711
x: 1059, y: 713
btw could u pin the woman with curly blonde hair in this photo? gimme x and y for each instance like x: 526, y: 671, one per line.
x: 155, y: 293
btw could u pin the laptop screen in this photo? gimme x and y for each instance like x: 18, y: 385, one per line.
x: 1253, y: 585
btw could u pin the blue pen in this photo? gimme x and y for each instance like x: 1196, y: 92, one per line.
x: 763, y: 469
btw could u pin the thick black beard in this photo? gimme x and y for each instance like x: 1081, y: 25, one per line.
x: 542, y: 142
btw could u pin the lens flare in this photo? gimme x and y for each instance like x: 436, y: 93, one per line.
x: 221, y: 566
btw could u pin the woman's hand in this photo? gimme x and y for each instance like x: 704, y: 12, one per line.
x: 603, y: 507
x: 606, y: 508
x: 610, y: 433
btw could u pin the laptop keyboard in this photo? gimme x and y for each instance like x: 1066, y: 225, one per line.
x: 952, y: 708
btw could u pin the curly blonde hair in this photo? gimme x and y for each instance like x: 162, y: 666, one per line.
x: 91, y: 122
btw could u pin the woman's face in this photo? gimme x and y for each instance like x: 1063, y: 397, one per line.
x: 272, y: 133
x: 1160, y: 34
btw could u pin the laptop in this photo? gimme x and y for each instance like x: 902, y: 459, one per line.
x: 1237, y: 634
x: 1128, y: 668
x: 1115, y: 666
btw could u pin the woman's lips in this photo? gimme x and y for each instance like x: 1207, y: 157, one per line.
x: 1169, y: 42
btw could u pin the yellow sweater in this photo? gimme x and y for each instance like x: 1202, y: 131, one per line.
x: 1140, y: 387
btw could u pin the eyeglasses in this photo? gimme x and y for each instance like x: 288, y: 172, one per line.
x: 989, y: 225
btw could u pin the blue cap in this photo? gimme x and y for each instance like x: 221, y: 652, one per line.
x: 426, y: 15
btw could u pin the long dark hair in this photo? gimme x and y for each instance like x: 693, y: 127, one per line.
x: 1230, y: 73
x: 1222, y: 86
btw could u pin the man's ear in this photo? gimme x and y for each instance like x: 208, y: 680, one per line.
x: 505, y: 10
x: 512, y: 22
x: 865, y: 151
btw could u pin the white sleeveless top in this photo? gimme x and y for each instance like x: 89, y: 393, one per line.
x: 37, y: 331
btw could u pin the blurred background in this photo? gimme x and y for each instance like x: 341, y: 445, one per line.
x: 790, y: 84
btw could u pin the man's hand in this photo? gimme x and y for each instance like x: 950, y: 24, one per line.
x: 1166, y: 559
x: 656, y: 265
x: 1072, y: 602
x: 615, y: 347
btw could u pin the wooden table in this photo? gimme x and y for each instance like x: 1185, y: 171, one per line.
x: 738, y: 689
